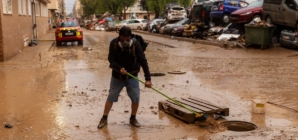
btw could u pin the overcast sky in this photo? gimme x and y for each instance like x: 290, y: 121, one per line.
x: 69, y: 5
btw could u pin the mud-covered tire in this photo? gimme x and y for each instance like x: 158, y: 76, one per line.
x: 58, y: 43
x: 80, y: 42
x: 226, y: 18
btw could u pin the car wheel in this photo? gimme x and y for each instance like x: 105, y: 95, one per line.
x: 296, y: 26
x: 226, y: 18
x: 58, y: 43
x: 80, y: 42
x: 139, y: 28
x: 268, y: 20
x: 107, y: 29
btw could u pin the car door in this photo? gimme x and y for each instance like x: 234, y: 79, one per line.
x: 290, y: 12
x: 129, y: 23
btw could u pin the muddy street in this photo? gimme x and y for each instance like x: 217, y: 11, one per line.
x: 50, y: 92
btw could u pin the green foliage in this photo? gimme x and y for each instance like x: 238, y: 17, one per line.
x: 90, y: 6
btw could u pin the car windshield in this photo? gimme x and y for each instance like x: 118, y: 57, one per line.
x: 256, y: 3
x: 68, y: 24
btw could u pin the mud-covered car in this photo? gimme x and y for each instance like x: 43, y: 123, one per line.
x: 134, y: 24
x: 175, y: 12
x: 68, y: 30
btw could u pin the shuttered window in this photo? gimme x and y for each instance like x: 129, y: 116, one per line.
x: 7, y: 6
x: 29, y: 7
x: 37, y: 9
x: 22, y: 7
x: 20, y: 11
x: 24, y: 3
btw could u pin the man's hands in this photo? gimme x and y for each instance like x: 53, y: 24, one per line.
x: 148, y: 84
x: 123, y: 71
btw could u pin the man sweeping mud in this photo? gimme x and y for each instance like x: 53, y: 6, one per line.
x: 125, y: 55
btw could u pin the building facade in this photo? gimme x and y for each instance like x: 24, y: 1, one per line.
x: 56, y: 11
x: 136, y: 11
x: 21, y: 23
x: 77, y: 11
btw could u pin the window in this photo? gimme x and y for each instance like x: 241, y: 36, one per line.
x: 37, y: 9
x: 291, y: 4
x: 7, y: 6
x: 136, y: 21
x: 29, y: 7
x: 43, y: 10
x: 277, y: 2
x: 233, y: 3
x: 22, y: 7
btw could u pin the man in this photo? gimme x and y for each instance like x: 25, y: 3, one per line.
x: 125, y: 55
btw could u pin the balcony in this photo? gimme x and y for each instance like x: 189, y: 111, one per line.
x: 46, y: 1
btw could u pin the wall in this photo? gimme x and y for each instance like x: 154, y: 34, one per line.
x: 15, y: 28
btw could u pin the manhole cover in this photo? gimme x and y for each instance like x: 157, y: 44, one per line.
x: 176, y: 72
x: 157, y: 74
x: 239, y: 126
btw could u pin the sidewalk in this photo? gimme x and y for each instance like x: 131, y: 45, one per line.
x: 33, y: 54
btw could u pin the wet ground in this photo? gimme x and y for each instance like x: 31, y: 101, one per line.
x: 51, y: 92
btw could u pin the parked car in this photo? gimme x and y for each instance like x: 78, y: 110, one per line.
x: 221, y: 10
x: 289, y: 39
x: 200, y: 12
x: 134, y: 24
x: 245, y: 15
x: 68, y: 30
x: 169, y: 27
x: 110, y: 26
x: 281, y: 12
x: 178, y: 30
x: 176, y: 12
x: 153, y: 22
x: 157, y: 27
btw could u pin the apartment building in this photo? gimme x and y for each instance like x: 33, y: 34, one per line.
x: 21, y: 22
x: 77, y: 11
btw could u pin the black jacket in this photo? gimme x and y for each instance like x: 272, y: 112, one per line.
x: 120, y: 58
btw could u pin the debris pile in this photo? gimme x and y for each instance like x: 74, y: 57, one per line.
x: 260, y: 23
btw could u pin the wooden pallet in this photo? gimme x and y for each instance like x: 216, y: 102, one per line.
x: 196, y: 104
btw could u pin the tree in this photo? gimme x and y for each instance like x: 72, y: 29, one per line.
x: 112, y: 6
x: 90, y: 6
x: 153, y: 5
x: 125, y: 4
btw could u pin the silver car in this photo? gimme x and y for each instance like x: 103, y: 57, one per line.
x: 134, y: 24
x: 289, y: 39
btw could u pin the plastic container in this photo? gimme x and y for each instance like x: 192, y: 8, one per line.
x: 259, y: 35
x: 259, y: 104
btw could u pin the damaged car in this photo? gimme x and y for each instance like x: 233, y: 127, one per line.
x: 245, y: 15
x: 176, y: 12
x: 221, y: 11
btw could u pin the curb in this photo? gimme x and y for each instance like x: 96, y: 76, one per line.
x: 46, y: 40
x: 183, y: 39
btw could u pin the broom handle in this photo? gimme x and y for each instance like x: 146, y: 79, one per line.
x: 197, y: 114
